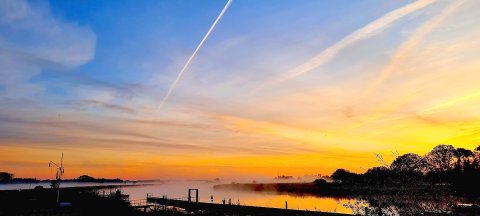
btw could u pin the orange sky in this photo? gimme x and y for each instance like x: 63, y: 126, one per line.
x: 405, y: 85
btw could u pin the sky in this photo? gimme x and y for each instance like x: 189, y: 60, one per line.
x: 288, y: 87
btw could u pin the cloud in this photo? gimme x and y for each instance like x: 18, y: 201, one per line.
x: 32, y: 40
x: 167, y: 123
x: 116, y: 107
x: 367, y: 31
x: 215, y: 114
x: 408, y: 46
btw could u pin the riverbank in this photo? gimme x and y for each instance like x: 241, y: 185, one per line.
x: 329, y: 189
x: 411, y: 200
x: 74, y: 201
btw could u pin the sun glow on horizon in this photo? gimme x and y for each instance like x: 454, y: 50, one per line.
x: 276, y: 90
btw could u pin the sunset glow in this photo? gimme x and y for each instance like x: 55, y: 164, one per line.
x: 280, y: 88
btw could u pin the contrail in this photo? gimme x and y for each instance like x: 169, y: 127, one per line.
x: 179, y: 76
x: 367, y: 31
x: 398, y: 58
x: 408, y: 47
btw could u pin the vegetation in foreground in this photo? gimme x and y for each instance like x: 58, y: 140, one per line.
x: 76, y: 201
x: 435, y: 183
x: 444, y: 165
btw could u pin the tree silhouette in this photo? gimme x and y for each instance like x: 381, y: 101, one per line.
x: 344, y: 176
x: 6, y: 177
x: 463, y: 158
x: 414, y: 184
x: 441, y: 158
x: 410, y: 163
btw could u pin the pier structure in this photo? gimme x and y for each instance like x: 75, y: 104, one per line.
x: 193, y: 204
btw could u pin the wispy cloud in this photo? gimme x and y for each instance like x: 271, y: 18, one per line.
x: 32, y: 39
x: 367, y: 31
x: 107, y: 119
x: 409, y: 45
x: 85, y: 103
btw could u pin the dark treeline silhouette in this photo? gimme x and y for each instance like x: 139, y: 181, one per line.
x: 6, y: 177
x: 86, y: 178
x: 91, y: 201
x: 444, y: 165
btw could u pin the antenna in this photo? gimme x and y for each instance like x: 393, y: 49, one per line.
x: 58, y: 176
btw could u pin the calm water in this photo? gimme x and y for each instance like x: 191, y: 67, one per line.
x: 179, y: 189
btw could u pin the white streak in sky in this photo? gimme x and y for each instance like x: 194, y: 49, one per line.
x: 409, y: 46
x: 179, y: 76
x: 367, y: 31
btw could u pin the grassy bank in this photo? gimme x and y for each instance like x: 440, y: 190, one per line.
x: 81, y: 201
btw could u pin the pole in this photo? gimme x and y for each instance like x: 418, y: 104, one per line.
x: 59, y: 179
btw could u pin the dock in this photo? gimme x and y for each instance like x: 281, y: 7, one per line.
x: 221, y: 209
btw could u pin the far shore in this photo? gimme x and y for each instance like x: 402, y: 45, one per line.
x: 328, y: 189
x: 89, y: 187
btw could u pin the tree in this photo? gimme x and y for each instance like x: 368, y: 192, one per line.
x: 410, y: 162
x: 320, y: 182
x: 344, y: 176
x: 476, y: 159
x: 6, y: 177
x: 85, y: 178
x: 462, y: 157
x: 384, y: 176
x: 441, y: 158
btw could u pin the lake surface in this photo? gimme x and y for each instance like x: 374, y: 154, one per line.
x: 179, y: 189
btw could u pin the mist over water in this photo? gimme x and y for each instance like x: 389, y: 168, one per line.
x: 179, y: 190
x: 25, y: 186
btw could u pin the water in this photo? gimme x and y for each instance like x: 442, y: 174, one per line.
x: 397, y: 204
x: 24, y: 186
x: 179, y: 189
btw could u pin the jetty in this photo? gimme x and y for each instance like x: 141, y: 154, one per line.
x: 193, y: 205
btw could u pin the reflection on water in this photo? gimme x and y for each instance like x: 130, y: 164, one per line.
x: 399, y: 204
x: 180, y: 190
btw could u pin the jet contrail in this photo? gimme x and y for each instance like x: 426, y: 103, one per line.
x: 408, y: 47
x: 169, y: 92
x: 367, y: 31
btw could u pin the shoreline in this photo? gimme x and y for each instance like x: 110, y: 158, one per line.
x: 336, y: 190
x: 89, y: 187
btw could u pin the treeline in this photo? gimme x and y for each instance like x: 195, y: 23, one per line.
x: 6, y: 177
x: 86, y: 178
x: 444, y: 165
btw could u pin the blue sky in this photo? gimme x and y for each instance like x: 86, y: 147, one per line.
x: 299, y: 81
x: 131, y: 34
